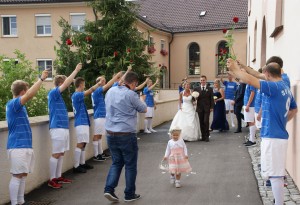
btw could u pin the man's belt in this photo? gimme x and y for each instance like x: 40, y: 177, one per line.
x: 118, y: 133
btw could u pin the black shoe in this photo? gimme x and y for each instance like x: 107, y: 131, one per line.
x: 86, y: 166
x: 99, y: 158
x: 111, y: 196
x: 238, y: 131
x: 246, y: 142
x: 79, y: 169
x: 250, y: 144
x: 133, y: 198
x: 105, y: 156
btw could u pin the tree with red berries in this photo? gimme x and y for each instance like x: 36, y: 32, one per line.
x: 108, y: 44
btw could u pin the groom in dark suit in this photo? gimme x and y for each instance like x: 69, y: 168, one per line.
x: 205, y: 104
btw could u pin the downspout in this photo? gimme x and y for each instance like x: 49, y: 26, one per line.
x: 172, y: 35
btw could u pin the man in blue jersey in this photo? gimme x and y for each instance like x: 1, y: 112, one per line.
x: 257, y: 106
x: 230, y: 88
x: 122, y: 105
x: 19, y: 142
x: 148, y: 91
x: 99, y: 115
x: 82, y: 124
x: 249, y: 113
x: 278, y: 107
x: 59, y: 127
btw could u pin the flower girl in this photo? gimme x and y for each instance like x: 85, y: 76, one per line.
x: 176, y: 154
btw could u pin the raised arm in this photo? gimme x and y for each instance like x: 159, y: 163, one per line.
x: 252, y: 72
x: 245, y: 77
x: 111, y: 82
x: 31, y: 92
x: 92, y: 89
x: 70, y: 79
x: 129, y: 68
x: 142, y: 85
x: 152, y: 86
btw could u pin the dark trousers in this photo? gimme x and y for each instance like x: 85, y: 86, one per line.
x: 239, y: 116
x: 204, y: 124
x: 124, y: 151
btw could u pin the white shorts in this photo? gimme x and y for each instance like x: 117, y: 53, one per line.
x: 60, y: 140
x: 150, y: 112
x: 21, y: 160
x: 249, y: 116
x: 99, y: 128
x: 228, y: 104
x: 273, y: 157
x: 83, y: 133
x: 257, y: 123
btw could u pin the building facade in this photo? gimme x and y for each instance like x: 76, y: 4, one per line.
x: 272, y: 31
x: 185, y: 37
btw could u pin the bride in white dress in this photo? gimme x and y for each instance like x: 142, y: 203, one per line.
x: 187, y: 118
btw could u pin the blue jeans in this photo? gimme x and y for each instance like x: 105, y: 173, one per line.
x: 124, y: 151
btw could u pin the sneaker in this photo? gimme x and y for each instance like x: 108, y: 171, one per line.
x: 105, y: 156
x: 172, y: 180
x: 250, y: 144
x: 79, y: 169
x: 152, y: 130
x: 247, y: 142
x: 99, y: 158
x: 52, y: 183
x: 268, y: 183
x: 147, y: 131
x: 133, y: 198
x: 62, y: 180
x: 86, y: 166
x: 177, y: 184
x: 111, y: 196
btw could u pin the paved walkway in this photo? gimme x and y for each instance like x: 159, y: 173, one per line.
x: 222, y: 175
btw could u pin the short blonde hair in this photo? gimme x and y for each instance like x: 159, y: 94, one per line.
x: 175, y: 129
x: 18, y: 86
x: 59, y: 79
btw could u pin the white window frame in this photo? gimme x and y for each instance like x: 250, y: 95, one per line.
x: 44, y: 26
x: 78, y: 26
x: 45, y: 59
x: 10, y: 35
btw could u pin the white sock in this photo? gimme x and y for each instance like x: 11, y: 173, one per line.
x: 231, y: 118
x: 14, y: 186
x: 96, y: 145
x: 59, y: 166
x: 21, y: 191
x: 100, y: 146
x: 82, y: 157
x: 146, y: 124
x: 53, y: 167
x: 277, y: 189
x: 252, y: 130
x: 77, y: 156
x: 150, y: 124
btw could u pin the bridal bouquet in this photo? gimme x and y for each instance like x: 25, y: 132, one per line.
x: 195, y: 94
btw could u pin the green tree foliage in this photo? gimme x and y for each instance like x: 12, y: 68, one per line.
x: 22, y: 70
x: 108, y: 44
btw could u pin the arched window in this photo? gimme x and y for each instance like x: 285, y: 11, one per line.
x: 194, y: 59
x: 222, y: 49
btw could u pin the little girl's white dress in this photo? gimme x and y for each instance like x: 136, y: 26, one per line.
x: 176, y: 152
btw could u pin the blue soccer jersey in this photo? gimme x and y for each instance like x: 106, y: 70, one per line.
x: 286, y: 79
x: 19, y: 131
x: 79, y: 108
x: 98, y: 103
x: 230, y: 88
x: 149, y: 97
x: 58, y: 114
x: 277, y: 102
x: 257, y: 104
x: 248, y: 90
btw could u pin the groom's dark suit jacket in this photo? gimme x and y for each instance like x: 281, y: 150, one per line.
x: 205, y: 102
